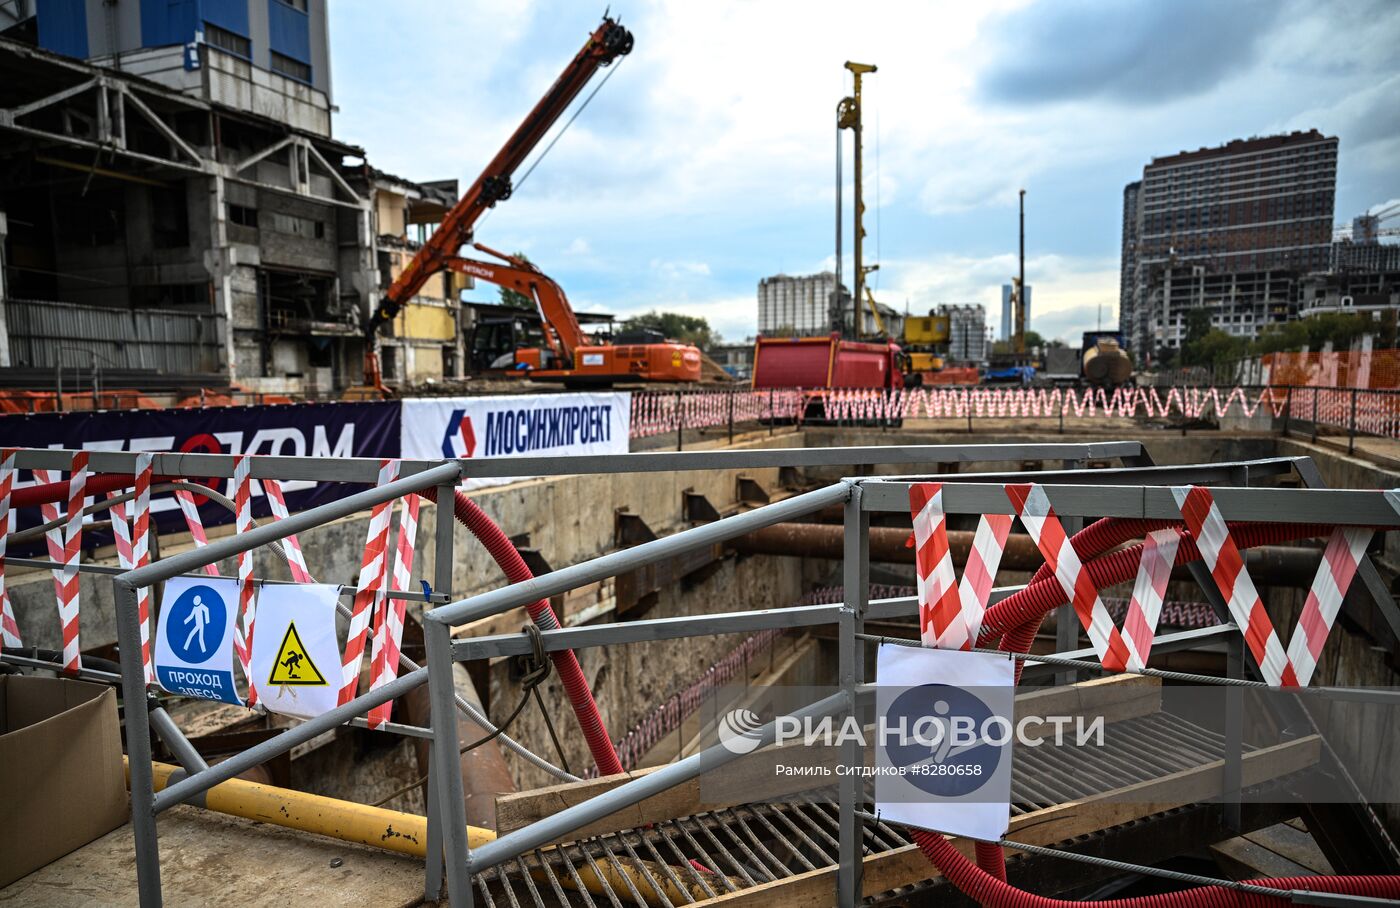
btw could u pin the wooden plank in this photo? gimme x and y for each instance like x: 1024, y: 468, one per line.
x: 907, y: 865
x: 1243, y: 859
x: 1292, y: 844
x: 1118, y: 697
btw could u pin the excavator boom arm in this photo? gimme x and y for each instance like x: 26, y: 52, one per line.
x: 562, y: 332
x: 608, y: 42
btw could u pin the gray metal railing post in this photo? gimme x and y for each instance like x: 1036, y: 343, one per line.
x: 680, y: 424
x: 138, y: 745
x: 433, y: 862
x: 851, y: 793
x: 1234, y: 733
x: 444, y: 530
x: 173, y: 738
x: 444, y: 761
x: 1287, y: 410
x: 731, y: 415
x: 1314, y: 418
x: 1351, y: 426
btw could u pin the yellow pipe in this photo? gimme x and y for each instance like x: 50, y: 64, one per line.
x: 393, y: 830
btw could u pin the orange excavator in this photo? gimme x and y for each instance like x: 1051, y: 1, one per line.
x: 569, y: 355
x: 572, y: 356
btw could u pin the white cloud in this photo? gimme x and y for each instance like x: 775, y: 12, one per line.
x: 1058, y: 284
x: 706, y: 162
x: 731, y: 316
x: 679, y: 270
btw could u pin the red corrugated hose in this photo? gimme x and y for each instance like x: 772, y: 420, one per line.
x: 565, y: 662
x: 1013, y: 623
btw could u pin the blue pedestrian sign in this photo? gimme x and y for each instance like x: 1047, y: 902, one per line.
x: 194, y: 642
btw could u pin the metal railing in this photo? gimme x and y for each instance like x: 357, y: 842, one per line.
x: 860, y: 498
x: 1136, y: 489
x: 444, y: 476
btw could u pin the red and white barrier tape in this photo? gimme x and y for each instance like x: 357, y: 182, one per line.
x: 65, y: 547
x: 9, y: 627
x: 988, y: 544
x: 141, y: 552
x: 941, y: 623
x: 296, y: 561
x: 247, y: 588
x: 49, y: 512
x: 1149, y: 590
x: 1050, y: 537
x: 196, y: 525
x: 1345, y: 549
x: 371, y: 584
x: 1226, y: 565
x: 950, y: 615
x: 133, y: 549
x: 656, y: 413
x: 388, y: 621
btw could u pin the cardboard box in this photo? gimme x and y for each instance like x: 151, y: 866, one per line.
x: 61, y: 766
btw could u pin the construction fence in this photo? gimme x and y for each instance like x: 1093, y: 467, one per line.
x: 1325, y: 410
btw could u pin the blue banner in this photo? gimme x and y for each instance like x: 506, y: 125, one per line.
x: 318, y: 430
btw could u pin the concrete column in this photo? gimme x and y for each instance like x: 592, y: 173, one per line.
x: 4, y: 326
x: 220, y: 265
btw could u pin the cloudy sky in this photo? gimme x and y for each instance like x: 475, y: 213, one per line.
x: 707, y: 161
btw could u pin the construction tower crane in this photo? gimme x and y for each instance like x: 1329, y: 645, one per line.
x: 606, y: 44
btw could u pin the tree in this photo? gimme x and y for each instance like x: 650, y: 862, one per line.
x: 1215, y: 348
x: 690, y: 329
x: 514, y: 299
x: 1197, y: 325
x: 1033, y: 340
x: 1340, y: 328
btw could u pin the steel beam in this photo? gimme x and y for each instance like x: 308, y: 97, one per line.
x: 678, y: 627
x: 499, y: 600
x: 280, y: 529
x: 672, y: 461
x: 851, y: 669
x: 275, y: 746
x: 1358, y: 507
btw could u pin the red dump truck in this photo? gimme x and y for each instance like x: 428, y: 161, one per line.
x: 826, y: 362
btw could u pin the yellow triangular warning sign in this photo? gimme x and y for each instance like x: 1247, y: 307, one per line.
x: 293, y: 665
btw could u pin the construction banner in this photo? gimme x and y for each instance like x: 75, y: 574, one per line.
x: 368, y: 429
x: 516, y: 425
x: 295, y: 665
x: 945, y: 728
x: 194, y: 641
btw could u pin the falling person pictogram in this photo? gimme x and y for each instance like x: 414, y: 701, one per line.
x: 293, y: 665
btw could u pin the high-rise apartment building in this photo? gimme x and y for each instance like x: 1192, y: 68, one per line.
x: 1228, y: 228
x: 1127, y: 271
x: 1008, y: 312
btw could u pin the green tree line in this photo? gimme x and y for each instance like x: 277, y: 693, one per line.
x: 1204, y: 345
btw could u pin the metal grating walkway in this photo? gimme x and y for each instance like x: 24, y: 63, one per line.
x: 755, y: 844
